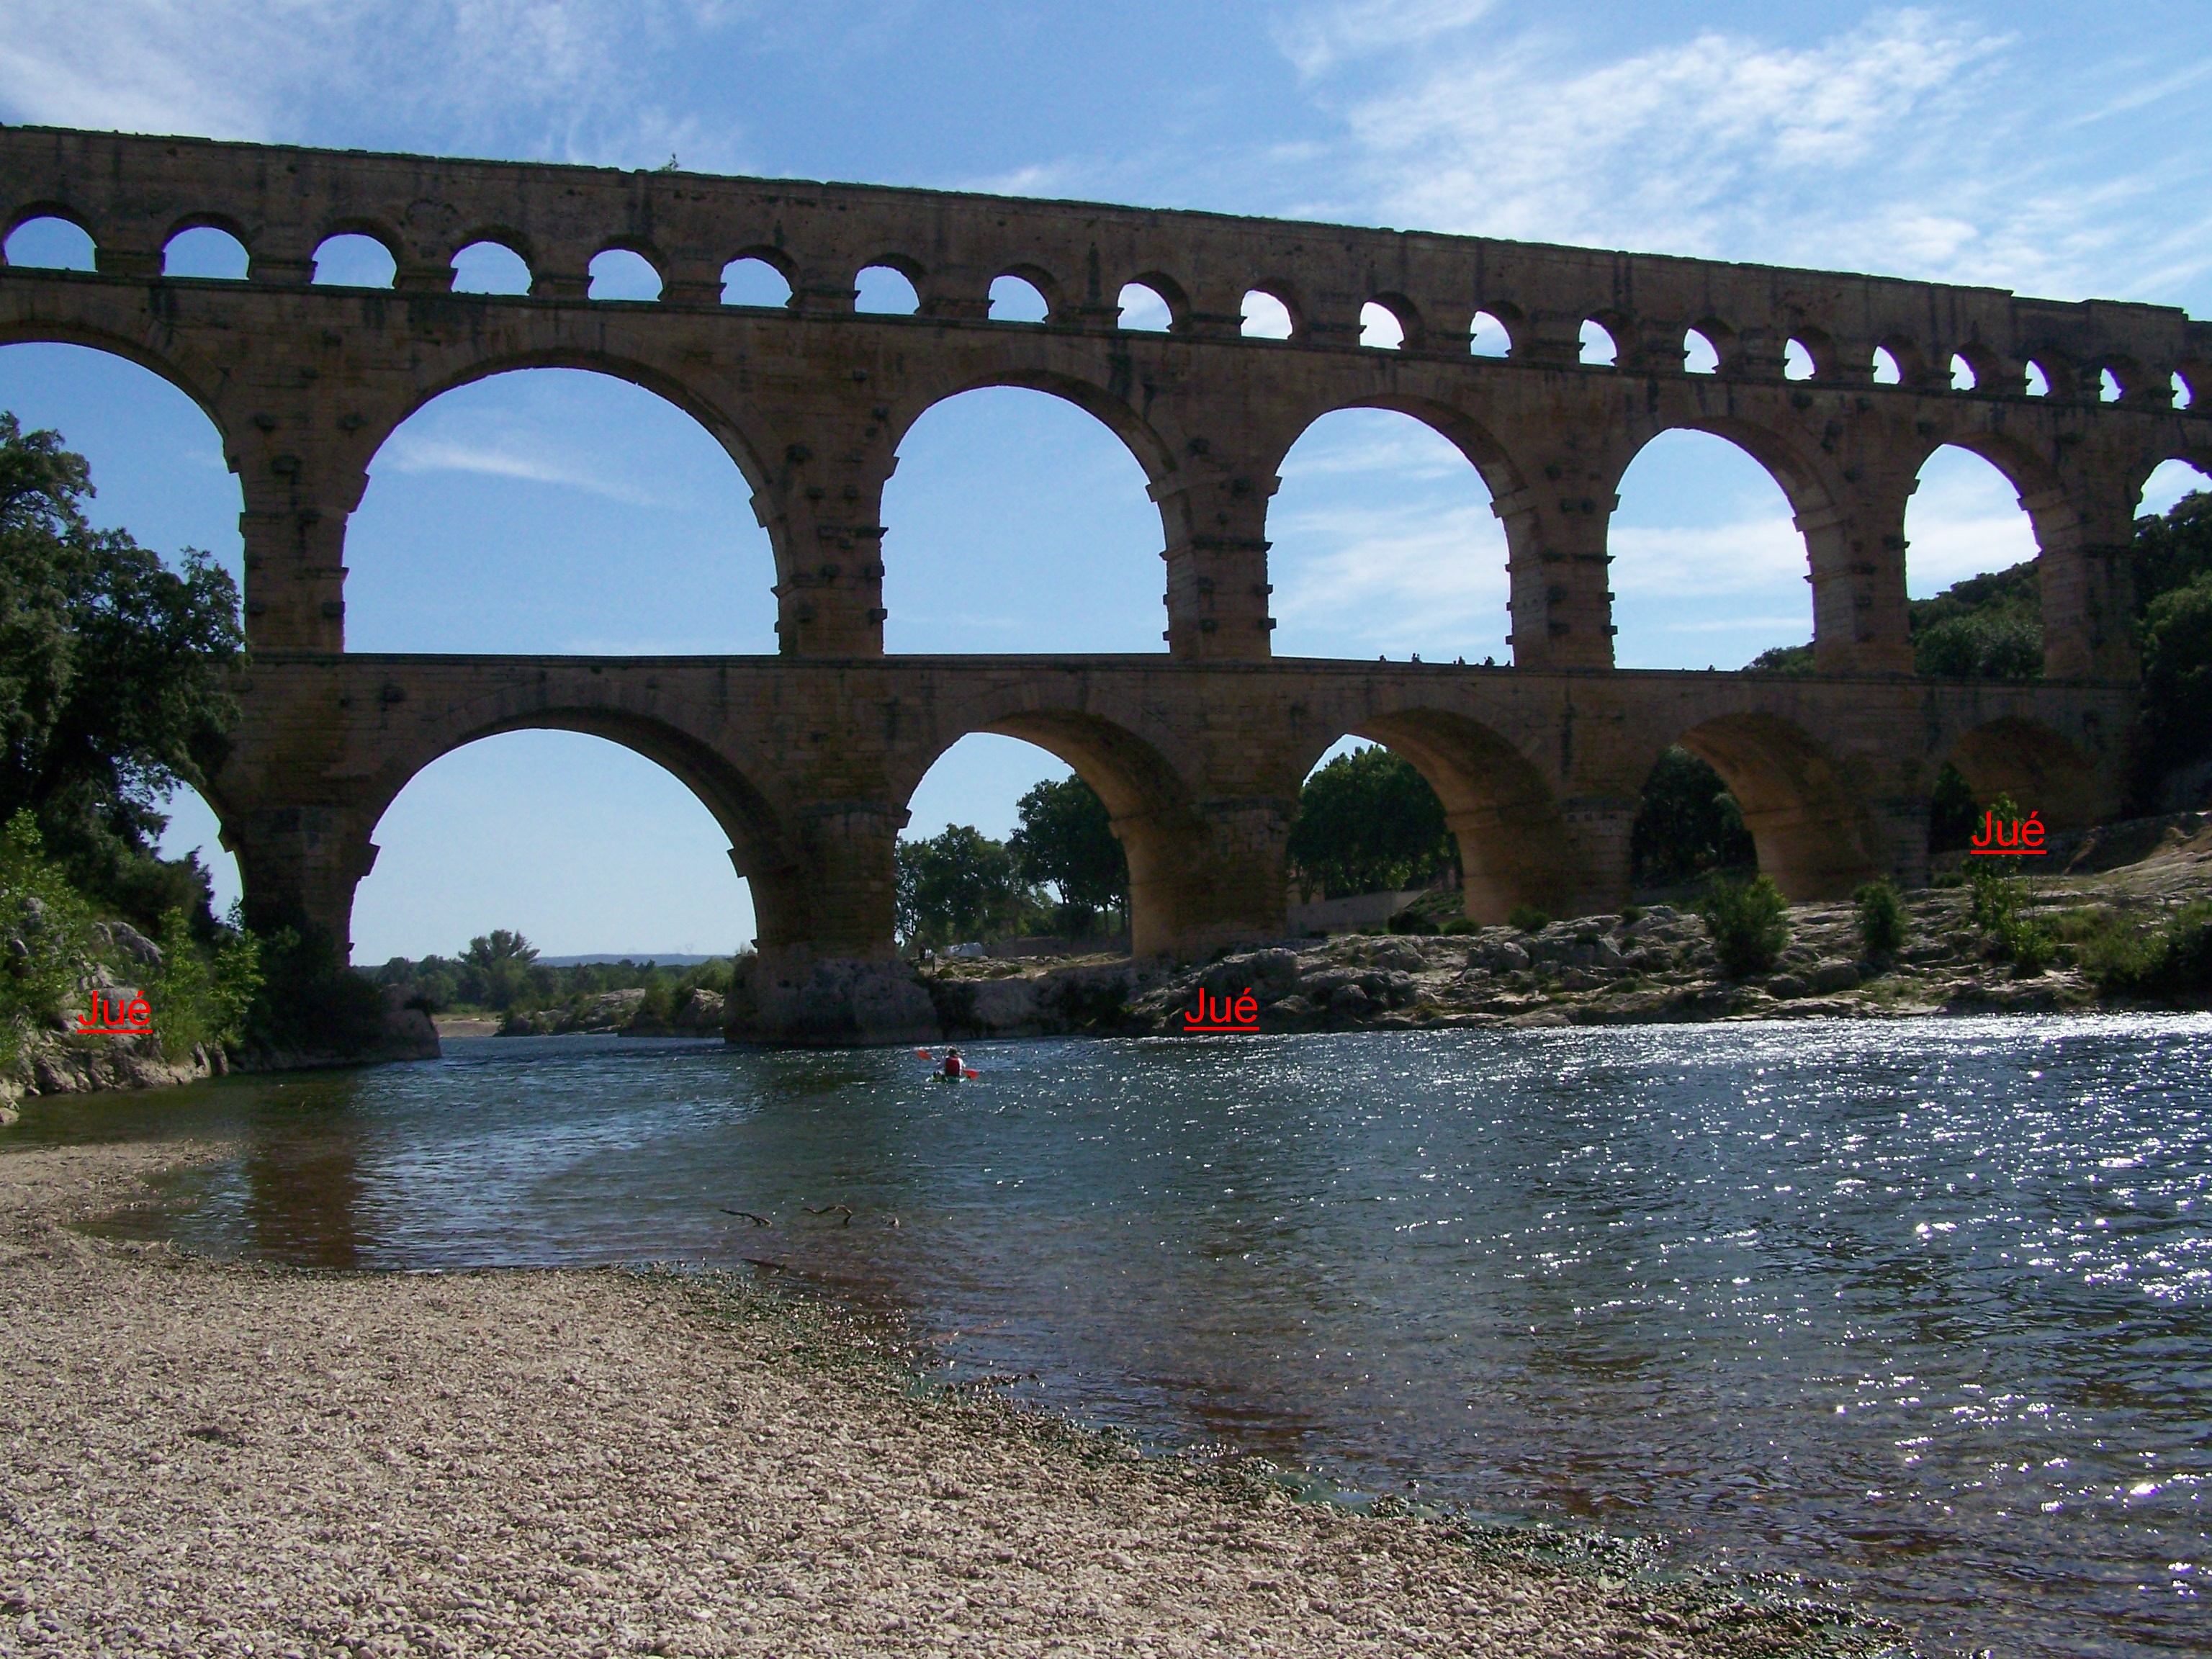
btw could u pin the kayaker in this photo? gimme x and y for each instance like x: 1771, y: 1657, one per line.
x: 952, y: 1065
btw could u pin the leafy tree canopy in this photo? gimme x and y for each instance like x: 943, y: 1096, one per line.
x: 113, y: 672
x: 961, y: 884
x: 1067, y: 839
x: 1369, y: 822
x: 1689, y: 824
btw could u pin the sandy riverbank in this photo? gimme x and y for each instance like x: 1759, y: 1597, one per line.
x: 212, y: 1459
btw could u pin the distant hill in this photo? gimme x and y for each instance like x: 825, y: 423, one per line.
x: 663, y: 958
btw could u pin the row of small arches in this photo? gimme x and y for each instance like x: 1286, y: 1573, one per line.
x: 354, y: 259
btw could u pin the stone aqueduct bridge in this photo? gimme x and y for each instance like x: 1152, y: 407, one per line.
x: 807, y: 758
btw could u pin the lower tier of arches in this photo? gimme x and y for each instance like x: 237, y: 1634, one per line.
x: 808, y: 768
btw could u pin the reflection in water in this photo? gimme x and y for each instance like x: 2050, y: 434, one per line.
x: 1919, y: 1306
x: 303, y: 1189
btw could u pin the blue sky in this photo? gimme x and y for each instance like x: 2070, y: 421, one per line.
x: 2055, y: 149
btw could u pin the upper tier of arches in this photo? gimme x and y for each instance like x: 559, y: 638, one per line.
x: 132, y: 196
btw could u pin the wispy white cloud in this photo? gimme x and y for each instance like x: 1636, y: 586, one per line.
x: 427, y: 453
x: 1913, y: 142
x: 559, y: 80
x: 1318, y: 39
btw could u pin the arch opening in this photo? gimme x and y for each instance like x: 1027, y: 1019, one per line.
x: 545, y: 832
x: 2109, y: 389
x: 1380, y: 327
x: 206, y: 252
x: 1489, y: 336
x: 1006, y: 841
x: 1144, y: 309
x: 1709, y: 566
x: 1807, y: 826
x: 1799, y: 361
x: 885, y: 290
x: 1699, y: 355
x: 1017, y: 519
x: 1362, y: 818
x: 620, y: 273
x: 1599, y: 348
x: 194, y: 832
x: 351, y: 259
x: 556, y: 510
x: 2168, y: 484
x: 1971, y: 581
x: 49, y: 242
x: 1383, y: 542
x: 1886, y: 369
x: 1963, y: 377
x: 749, y: 280
x: 2039, y: 769
x: 1054, y: 863
x: 1688, y: 830
x: 1266, y: 317
x: 155, y: 455
x: 1017, y: 300
x: 489, y: 267
x: 1369, y: 846
x: 2037, y: 383
x: 2184, y: 394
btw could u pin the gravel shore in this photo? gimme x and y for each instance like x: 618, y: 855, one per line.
x: 203, y: 1458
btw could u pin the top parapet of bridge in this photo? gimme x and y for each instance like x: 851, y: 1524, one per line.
x: 132, y: 193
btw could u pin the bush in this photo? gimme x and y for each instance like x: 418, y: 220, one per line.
x: 309, y: 1001
x: 1881, y: 918
x: 1749, y: 924
x: 1528, y: 918
x: 198, y: 1004
x: 1998, y: 907
x: 2173, y: 964
x: 45, y: 932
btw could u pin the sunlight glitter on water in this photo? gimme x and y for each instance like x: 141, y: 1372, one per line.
x: 1918, y: 1306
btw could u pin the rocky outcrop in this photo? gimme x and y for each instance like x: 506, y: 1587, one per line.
x: 839, y: 1003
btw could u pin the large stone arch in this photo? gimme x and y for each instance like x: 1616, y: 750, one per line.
x: 1152, y: 449
x: 195, y: 382
x: 1515, y: 847
x: 1500, y: 472
x: 1807, y: 815
x: 746, y: 441
x: 2044, y: 771
x: 761, y: 846
x: 1174, y: 861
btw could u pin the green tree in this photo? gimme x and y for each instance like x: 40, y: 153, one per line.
x: 1749, y: 922
x: 112, y: 681
x: 1688, y: 825
x: 959, y: 885
x: 1067, y: 839
x: 2177, y: 640
x: 502, y: 960
x: 1369, y: 822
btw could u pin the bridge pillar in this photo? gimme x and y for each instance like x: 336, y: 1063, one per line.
x: 1855, y: 553
x: 293, y: 528
x: 2085, y: 532
x: 1556, y: 567
x: 299, y: 866
x: 1217, y: 562
x: 823, y: 510
x: 1207, y: 876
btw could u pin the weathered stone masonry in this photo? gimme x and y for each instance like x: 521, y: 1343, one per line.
x: 808, y: 758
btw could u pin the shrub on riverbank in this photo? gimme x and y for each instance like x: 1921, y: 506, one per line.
x: 1749, y: 921
x: 2171, y: 963
x: 1997, y: 905
x: 1881, y: 919
x: 59, y: 952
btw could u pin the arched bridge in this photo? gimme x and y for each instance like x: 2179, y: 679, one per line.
x: 807, y: 758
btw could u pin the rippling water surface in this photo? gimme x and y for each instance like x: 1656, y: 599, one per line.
x: 1920, y: 1309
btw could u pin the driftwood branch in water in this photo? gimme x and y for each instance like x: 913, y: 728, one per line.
x: 747, y: 1215
x: 832, y: 1209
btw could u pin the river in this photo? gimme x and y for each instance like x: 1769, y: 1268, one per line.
x: 1917, y: 1310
